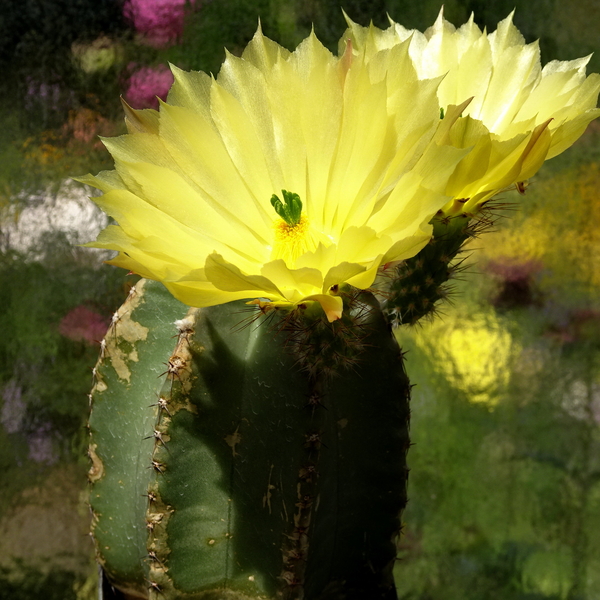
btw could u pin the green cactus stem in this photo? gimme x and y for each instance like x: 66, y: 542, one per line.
x: 414, y: 288
x: 244, y: 455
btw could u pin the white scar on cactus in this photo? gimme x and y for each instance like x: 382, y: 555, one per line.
x: 129, y: 330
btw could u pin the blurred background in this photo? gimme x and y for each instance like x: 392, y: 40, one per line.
x: 505, y: 480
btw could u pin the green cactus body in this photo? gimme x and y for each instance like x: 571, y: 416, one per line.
x: 248, y: 458
x: 413, y: 288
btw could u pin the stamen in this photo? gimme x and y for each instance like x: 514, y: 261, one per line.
x: 291, y: 241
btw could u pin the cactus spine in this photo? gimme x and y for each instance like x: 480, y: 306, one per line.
x: 257, y: 459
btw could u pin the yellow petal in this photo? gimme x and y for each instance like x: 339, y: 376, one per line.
x: 229, y: 278
x: 304, y: 280
x: 333, y: 306
x: 198, y: 293
x: 190, y: 90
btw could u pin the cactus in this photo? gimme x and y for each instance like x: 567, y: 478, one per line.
x: 414, y: 288
x: 248, y: 455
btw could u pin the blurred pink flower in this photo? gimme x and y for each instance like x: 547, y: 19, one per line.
x: 516, y: 283
x: 83, y: 324
x: 84, y: 126
x: 146, y: 84
x: 159, y: 21
x: 513, y: 270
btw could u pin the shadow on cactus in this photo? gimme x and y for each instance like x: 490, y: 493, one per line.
x: 263, y: 455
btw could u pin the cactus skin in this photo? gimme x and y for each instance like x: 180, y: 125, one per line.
x: 119, y: 424
x: 262, y: 461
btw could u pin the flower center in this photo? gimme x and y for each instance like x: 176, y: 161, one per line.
x: 291, y: 241
x: 292, y: 237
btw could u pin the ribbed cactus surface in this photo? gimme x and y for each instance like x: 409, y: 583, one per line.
x: 238, y: 454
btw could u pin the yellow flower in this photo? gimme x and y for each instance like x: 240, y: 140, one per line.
x: 287, y: 176
x: 519, y: 114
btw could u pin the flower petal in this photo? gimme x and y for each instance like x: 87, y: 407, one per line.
x: 229, y: 278
x: 333, y: 306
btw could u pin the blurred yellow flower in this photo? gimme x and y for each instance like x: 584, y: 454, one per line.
x: 285, y: 177
x: 474, y: 354
x: 97, y: 56
x: 519, y: 114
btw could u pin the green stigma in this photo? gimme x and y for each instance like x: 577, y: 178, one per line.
x: 291, y: 211
x: 441, y: 113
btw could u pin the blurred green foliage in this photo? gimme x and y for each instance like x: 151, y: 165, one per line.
x: 505, y: 494
x: 505, y: 480
x: 31, y: 583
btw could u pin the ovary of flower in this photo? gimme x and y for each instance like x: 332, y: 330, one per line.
x: 195, y: 184
x: 519, y: 114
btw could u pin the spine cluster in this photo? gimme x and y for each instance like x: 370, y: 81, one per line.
x: 322, y: 349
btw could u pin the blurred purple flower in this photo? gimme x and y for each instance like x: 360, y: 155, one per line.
x: 515, y: 271
x: 13, y: 410
x: 40, y: 439
x: 39, y: 93
x: 83, y: 324
x: 159, y: 21
x: 146, y: 84
x: 576, y: 326
x: 41, y: 445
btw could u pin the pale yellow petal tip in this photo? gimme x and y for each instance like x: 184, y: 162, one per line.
x: 87, y: 179
x: 140, y: 120
x: 348, y: 20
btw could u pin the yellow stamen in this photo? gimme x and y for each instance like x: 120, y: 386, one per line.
x: 291, y: 241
